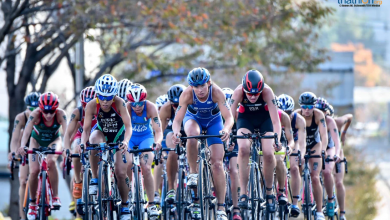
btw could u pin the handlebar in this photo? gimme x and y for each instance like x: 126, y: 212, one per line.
x: 253, y: 136
x: 200, y: 137
x: 103, y: 147
x: 44, y: 150
x: 157, y: 155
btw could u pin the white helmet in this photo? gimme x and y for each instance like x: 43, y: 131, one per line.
x: 122, y: 88
x: 136, y: 93
x: 106, y: 85
x: 285, y: 102
x: 228, y: 94
x: 161, y: 100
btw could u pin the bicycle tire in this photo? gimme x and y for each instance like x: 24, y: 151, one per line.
x: 212, y: 203
x: 228, y: 197
x: 180, y: 193
x: 307, y: 209
x: 138, y: 205
x: 164, y: 192
x: 254, y: 191
x: 104, y: 206
x: 202, y: 191
x: 42, y: 202
x: 85, y: 195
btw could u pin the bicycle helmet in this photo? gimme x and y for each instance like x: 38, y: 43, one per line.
x: 32, y: 99
x: 253, y: 82
x: 87, y: 94
x: 49, y: 101
x: 122, y: 88
x: 106, y: 85
x: 285, y: 102
x: 330, y: 109
x: 198, y: 76
x: 321, y: 104
x: 136, y: 93
x: 174, y: 93
x: 307, y: 98
x: 228, y: 94
x: 161, y: 100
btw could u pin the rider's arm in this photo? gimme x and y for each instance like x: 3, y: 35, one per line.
x: 269, y: 98
x: 236, y: 98
x: 287, y: 127
x: 17, y: 132
x: 219, y: 98
x: 90, y: 110
x: 165, y: 114
x: 334, y: 133
x: 32, y: 119
x: 181, y: 109
x: 300, y: 124
x: 72, y: 126
x: 156, y: 123
x: 343, y: 124
x: 320, y: 121
x: 61, y: 118
x: 125, y: 118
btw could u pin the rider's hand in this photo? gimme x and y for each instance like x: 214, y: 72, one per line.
x: 176, y: 138
x: 231, y: 147
x: 337, y: 158
x: 158, y: 146
x: 10, y: 156
x: 279, y: 147
x: 123, y: 147
x: 342, y: 138
x: 21, y: 151
x: 225, y: 134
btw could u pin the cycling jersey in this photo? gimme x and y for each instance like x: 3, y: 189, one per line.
x: 283, y: 138
x: 26, y: 119
x: 110, y: 124
x: 295, y: 130
x: 169, y: 128
x: 46, y: 134
x: 207, y: 115
x: 142, y: 130
x: 81, y: 122
x: 254, y: 115
x: 312, y: 134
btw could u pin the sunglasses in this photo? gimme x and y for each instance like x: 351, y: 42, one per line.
x: 175, y: 105
x: 137, y: 104
x: 105, y: 98
x: 310, y: 107
x: 253, y: 94
x: 49, y: 111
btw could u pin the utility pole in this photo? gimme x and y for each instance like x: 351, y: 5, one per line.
x: 80, y: 68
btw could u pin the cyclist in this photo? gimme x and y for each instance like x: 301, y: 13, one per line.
x: 20, y: 121
x: 167, y: 115
x: 343, y: 123
x: 298, y: 124
x: 257, y: 111
x: 316, y: 140
x: 141, y: 111
x: 76, y: 122
x: 233, y: 169
x: 113, y: 126
x: 43, y: 125
x: 122, y: 88
x: 287, y: 139
x: 201, y: 106
x: 158, y: 170
x: 333, y: 151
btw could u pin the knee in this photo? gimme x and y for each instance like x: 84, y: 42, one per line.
x: 146, y: 170
x: 34, y: 171
x: 233, y: 172
x: 121, y: 170
x: 23, y: 182
x: 280, y: 162
x: 339, y: 183
x: 315, y: 179
x: 244, y: 150
x: 51, y: 164
x: 216, y: 164
x: 294, y: 169
x: 327, y: 173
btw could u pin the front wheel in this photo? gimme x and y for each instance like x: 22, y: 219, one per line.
x: 203, y: 191
x: 43, y: 198
x: 105, y: 211
x: 307, y: 197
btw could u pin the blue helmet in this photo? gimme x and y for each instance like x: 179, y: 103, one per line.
x: 198, y: 76
x: 106, y: 85
x: 285, y: 102
x: 32, y: 99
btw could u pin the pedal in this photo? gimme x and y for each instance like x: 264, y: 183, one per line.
x: 56, y: 208
x: 79, y: 206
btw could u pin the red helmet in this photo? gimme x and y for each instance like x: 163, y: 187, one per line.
x: 48, y: 101
x: 136, y: 93
x: 253, y: 82
x: 87, y: 94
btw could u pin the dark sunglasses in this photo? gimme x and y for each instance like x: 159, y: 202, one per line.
x: 137, y: 104
x: 253, y: 94
x: 310, y: 107
x: 49, y: 111
x: 105, y: 98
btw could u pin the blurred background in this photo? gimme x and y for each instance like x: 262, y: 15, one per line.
x: 338, y: 52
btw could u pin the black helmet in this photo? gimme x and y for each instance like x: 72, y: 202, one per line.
x: 307, y: 98
x: 32, y: 99
x: 253, y: 82
x: 174, y: 92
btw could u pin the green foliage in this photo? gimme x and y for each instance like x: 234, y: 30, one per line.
x: 362, y: 196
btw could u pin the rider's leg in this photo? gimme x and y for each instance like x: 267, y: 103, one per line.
x: 146, y: 160
x: 269, y: 161
x: 233, y: 173
x: 340, y: 185
x: 158, y: 172
x: 172, y: 163
x: 23, y: 175
x: 96, y: 137
x: 328, y: 174
x: 121, y: 174
x: 52, y: 166
x: 76, y: 162
x: 315, y: 169
x: 281, y: 174
x: 217, y: 153
x: 295, y: 177
x: 34, y: 171
x: 192, y: 128
x: 243, y: 160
